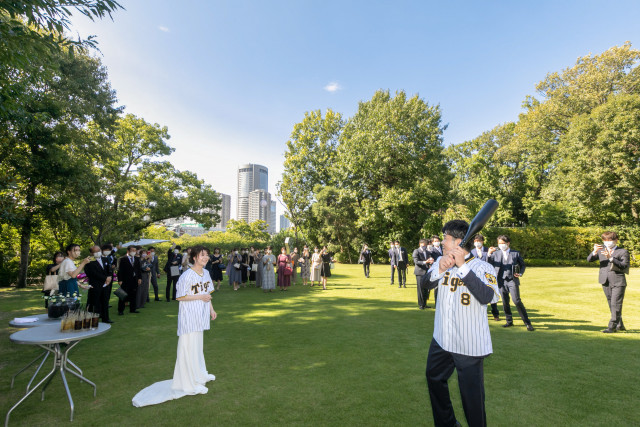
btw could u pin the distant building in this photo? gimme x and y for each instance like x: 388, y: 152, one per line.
x: 251, y: 177
x: 259, y: 206
x: 224, y: 212
x: 272, y: 218
x: 284, y: 223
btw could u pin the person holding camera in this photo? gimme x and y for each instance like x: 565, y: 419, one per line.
x: 614, y: 264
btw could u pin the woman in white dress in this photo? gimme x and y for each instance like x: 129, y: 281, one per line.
x: 268, y: 275
x: 190, y: 373
x: 316, y: 264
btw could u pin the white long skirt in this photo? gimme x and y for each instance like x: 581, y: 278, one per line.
x: 189, y: 375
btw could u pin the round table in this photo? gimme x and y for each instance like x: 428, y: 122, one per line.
x: 43, y: 319
x: 50, y: 338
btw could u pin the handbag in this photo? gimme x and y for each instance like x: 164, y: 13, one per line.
x: 331, y: 266
x: 236, y: 266
x: 51, y: 282
x: 288, y: 270
x: 254, y: 267
x: 121, y: 293
x: 222, y: 266
x: 175, y: 270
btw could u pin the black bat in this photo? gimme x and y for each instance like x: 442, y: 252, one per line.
x: 480, y: 220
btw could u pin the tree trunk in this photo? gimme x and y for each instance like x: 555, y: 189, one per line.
x: 25, y: 248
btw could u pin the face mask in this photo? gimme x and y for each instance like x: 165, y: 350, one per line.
x: 315, y: 251
x: 151, y: 254
x: 175, y: 251
x: 97, y: 254
x: 436, y: 244
x: 106, y: 253
x: 478, y: 245
x: 236, y: 252
x: 609, y: 244
x: 132, y: 254
x: 503, y: 246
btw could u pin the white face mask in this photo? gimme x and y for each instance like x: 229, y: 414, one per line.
x: 97, y: 254
x: 132, y: 254
x: 176, y: 251
x: 236, y: 252
x: 503, y: 246
x: 436, y: 244
x: 609, y: 243
x: 106, y: 253
x: 478, y: 245
x: 151, y: 254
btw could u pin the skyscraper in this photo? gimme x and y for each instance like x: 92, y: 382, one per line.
x: 250, y: 177
x: 224, y: 212
x: 272, y: 217
x: 284, y: 223
x: 259, y: 206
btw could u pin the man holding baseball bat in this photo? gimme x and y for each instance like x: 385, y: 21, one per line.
x: 614, y: 264
x: 461, y: 337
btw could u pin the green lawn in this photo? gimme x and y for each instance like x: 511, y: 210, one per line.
x: 352, y: 355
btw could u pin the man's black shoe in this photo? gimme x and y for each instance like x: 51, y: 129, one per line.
x: 608, y: 331
x: 421, y: 308
x: 507, y: 325
x: 530, y: 328
x: 621, y: 328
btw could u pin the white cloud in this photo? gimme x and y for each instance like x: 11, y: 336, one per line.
x: 333, y: 87
x: 163, y: 29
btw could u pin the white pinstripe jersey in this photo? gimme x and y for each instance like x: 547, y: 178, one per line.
x: 461, y: 324
x: 193, y: 316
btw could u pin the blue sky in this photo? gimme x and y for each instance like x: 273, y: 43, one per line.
x: 231, y: 78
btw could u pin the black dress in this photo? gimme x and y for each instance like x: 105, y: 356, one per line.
x: 214, y: 271
x: 325, y: 269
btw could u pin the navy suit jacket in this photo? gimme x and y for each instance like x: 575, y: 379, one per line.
x: 480, y: 254
x: 395, y: 259
x: 612, y: 272
x: 504, y: 269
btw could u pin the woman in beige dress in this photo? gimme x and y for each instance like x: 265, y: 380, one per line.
x: 316, y: 263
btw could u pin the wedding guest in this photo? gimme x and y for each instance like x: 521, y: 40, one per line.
x: 155, y: 271
x: 252, y: 260
x: 100, y: 276
x: 234, y: 269
x: 129, y: 279
x: 259, y: 267
x: 244, y: 269
x: 305, y: 265
x: 142, y: 296
x: 172, y: 268
x: 215, y: 270
x: 268, y: 275
x: 52, y: 270
x: 325, y: 270
x: 294, y: 265
x: 68, y: 272
x: 316, y: 263
x: 284, y: 270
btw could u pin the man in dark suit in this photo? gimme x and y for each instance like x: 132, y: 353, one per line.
x: 480, y: 251
x: 437, y: 249
x: 399, y: 262
x: 174, y: 259
x: 614, y: 264
x: 155, y: 270
x: 99, y: 274
x: 509, y: 267
x: 129, y: 278
x: 422, y: 260
x: 365, y: 258
x: 393, y: 269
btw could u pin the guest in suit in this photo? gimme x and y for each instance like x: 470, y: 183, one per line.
x: 614, y: 264
x: 365, y: 258
x: 399, y: 261
x: 155, y: 271
x: 506, y: 263
x: 480, y: 251
x: 437, y: 248
x: 99, y: 274
x: 129, y: 278
x: 393, y: 268
x: 174, y: 259
x: 145, y: 273
x: 422, y: 260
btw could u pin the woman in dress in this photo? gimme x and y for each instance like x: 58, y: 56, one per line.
x: 268, y: 276
x: 316, y: 262
x: 305, y: 265
x: 52, y: 270
x: 284, y: 261
x: 252, y: 259
x: 214, y: 269
x: 234, y: 269
x: 142, y: 295
x: 67, y: 272
x: 259, y: 267
x: 325, y: 270
x: 194, y: 314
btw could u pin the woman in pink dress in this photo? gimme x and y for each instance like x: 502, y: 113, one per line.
x: 284, y: 260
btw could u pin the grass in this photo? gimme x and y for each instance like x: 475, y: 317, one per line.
x: 352, y: 355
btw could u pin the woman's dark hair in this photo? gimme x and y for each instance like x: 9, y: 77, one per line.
x: 70, y: 247
x: 504, y: 238
x: 56, y: 255
x: 458, y: 229
x: 283, y: 249
x: 178, y: 247
x: 195, y: 251
x: 216, y: 249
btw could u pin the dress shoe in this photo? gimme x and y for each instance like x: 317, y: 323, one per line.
x: 400, y: 286
x: 157, y: 299
x: 404, y: 286
x: 496, y: 318
x: 421, y: 308
x: 530, y: 328
x: 507, y: 325
x: 621, y: 328
x: 608, y: 331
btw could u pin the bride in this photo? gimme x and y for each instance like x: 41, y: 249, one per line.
x: 190, y: 374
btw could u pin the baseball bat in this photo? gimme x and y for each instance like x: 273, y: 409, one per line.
x: 480, y: 220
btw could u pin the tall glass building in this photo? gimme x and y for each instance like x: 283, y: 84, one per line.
x: 250, y: 178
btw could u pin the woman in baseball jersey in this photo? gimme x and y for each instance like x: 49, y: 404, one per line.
x: 195, y: 312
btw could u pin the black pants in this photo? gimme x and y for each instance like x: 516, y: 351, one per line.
x: 393, y: 273
x: 494, y: 310
x: 131, y: 290
x: 98, y: 302
x: 366, y: 269
x: 440, y: 366
x: 171, y: 280
x: 423, y: 291
x: 615, y: 296
x: 402, y: 273
x: 513, y: 289
x: 154, y: 283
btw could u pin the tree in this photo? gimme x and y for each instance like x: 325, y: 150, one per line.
x: 42, y: 136
x: 256, y: 231
x: 311, y: 151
